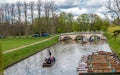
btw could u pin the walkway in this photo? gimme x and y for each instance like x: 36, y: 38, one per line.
x: 11, y: 50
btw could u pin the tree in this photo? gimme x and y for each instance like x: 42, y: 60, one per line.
x: 114, y: 7
x: 25, y: 15
x: 65, y: 22
x: 1, y: 18
x: 53, y: 16
x: 62, y: 21
x: 98, y: 23
x: 12, y: 7
x: 47, y: 15
x: 105, y: 25
x: 75, y: 26
x: 39, y: 14
x: 69, y: 22
x: 116, y: 21
x: 6, y: 22
x: 32, y: 13
x: 12, y: 11
x: 19, y: 18
x: 83, y: 21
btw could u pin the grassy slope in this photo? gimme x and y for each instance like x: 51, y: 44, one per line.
x: 12, y: 57
x: 10, y: 43
x: 114, y: 43
x: 1, y: 62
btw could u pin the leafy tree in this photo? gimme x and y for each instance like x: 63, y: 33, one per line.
x: 62, y: 19
x: 98, y: 23
x: 75, y: 26
x: 116, y: 21
x: 105, y: 25
x: 65, y: 22
x: 83, y: 21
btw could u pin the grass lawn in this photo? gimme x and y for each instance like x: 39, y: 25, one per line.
x: 1, y: 62
x: 13, y: 57
x: 10, y: 43
x: 114, y: 43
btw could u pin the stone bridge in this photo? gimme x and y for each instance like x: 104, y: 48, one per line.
x: 87, y: 35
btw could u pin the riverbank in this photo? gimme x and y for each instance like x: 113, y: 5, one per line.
x: 11, y: 43
x: 114, y: 43
x: 18, y: 55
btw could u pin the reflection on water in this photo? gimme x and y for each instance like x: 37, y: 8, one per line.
x: 67, y: 56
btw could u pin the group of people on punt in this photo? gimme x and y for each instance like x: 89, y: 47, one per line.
x: 50, y: 59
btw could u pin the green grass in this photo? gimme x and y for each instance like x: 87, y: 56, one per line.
x: 12, y: 57
x: 1, y: 62
x: 114, y: 43
x: 10, y: 43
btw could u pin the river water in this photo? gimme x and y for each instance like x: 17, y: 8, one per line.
x: 67, y: 54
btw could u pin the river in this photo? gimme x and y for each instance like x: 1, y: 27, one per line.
x: 67, y: 57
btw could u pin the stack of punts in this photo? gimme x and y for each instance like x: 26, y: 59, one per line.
x: 82, y: 65
x: 99, y: 62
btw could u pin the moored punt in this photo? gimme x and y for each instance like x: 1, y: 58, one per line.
x: 48, y: 65
x: 48, y: 62
x: 100, y: 63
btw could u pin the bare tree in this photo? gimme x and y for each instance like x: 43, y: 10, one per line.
x: 53, y: 15
x: 19, y: 18
x: 2, y: 19
x: 0, y: 14
x: 6, y: 23
x: 47, y: 15
x: 32, y: 14
x: 25, y: 15
x: 12, y: 13
x: 114, y: 7
x: 12, y: 7
x: 39, y: 14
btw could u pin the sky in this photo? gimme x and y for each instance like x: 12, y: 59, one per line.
x: 76, y: 7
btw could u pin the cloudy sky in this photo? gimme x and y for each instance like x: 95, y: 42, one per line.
x: 76, y: 7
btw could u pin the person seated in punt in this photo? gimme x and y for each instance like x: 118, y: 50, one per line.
x: 50, y: 60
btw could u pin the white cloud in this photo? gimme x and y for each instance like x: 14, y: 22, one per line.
x: 67, y: 2
x: 95, y: 3
x: 101, y: 15
x: 102, y: 9
x: 75, y: 11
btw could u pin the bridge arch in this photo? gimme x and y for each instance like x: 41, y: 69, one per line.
x: 94, y: 38
x: 80, y: 37
x: 67, y: 38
